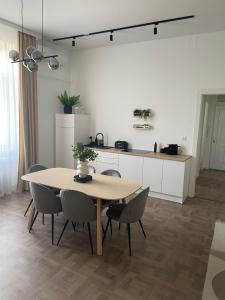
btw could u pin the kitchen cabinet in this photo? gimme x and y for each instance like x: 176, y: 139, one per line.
x: 167, y: 176
x: 70, y: 129
x: 105, y: 161
x: 175, y: 179
x: 130, y: 167
x: 152, y: 174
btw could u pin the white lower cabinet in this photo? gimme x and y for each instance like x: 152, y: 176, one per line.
x: 167, y: 179
x: 130, y: 167
x: 173, y: 178
x: 152, y: 174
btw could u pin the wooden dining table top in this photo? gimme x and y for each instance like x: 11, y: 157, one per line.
x: 101, y: 186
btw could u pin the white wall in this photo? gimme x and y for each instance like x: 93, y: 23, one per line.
x: 50, y: 85
x: 165, y: 75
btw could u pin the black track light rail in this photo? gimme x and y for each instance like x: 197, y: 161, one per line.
x: 125, y: 27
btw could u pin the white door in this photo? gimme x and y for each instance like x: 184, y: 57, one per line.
x: 217, y: 160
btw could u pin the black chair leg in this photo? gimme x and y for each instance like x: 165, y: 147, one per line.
x: 103, y: 230
x: 129, y: 238
x: 52, y: 229
x: 35, y: 217
x: 43, y: 219
x: 119, y: 227
x: 106, y: 229
x: 28, y: 207
x: 64, y: 227
x: 90, y: 237
x: 110, y: 226
x: 142, y: 228
x: 74, y: 226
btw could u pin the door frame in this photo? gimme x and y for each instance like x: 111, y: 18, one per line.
x: 214, y: 134
x: 196, y: 145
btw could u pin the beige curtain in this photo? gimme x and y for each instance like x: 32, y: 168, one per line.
x: 27, y: 112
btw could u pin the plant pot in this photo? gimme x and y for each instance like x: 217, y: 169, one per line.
x: 68, y: 109
x: 82, y: 168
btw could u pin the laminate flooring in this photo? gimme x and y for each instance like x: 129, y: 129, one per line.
x: 169, y: 265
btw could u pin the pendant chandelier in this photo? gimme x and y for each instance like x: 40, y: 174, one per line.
x: 33, y: 56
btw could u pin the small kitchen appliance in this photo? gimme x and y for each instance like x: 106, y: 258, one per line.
x: 121, y: 145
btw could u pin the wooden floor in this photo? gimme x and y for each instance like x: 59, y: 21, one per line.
x: 171, y: 264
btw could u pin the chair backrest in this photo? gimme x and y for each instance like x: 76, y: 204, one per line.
x: 45, y: 200
x: 77, y: 206
x: 111, y: 172
x: 91, y: 169
x: 134, y: 210
x: 36, y: 168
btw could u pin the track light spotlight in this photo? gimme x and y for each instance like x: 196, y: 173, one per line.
x: 155, y: 29
x: 111, y: 36
x: 73, y: 42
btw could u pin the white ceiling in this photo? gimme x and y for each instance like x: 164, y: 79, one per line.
x: 69, y: 17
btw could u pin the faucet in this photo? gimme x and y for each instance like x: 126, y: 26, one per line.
x: 99, y: 142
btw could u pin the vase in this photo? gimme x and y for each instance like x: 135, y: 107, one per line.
x: 82, y: 168
x: 68, y: 109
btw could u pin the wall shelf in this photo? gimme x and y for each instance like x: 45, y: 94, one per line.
x: 142, y: 126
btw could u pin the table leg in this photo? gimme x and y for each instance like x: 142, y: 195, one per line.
x: 31, y: 216
x: 99, y: 228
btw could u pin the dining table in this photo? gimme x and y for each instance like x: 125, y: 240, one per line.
x: 101, y: 187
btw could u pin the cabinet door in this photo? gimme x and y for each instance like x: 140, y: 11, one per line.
x: 152, y: 174
x: 130, y: 167
x: 173, y: 178
x: 64, y: 142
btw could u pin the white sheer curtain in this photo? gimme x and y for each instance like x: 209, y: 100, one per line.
x: 9, y: 115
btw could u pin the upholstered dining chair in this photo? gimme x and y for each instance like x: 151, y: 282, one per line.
x: 32, y: 169
x: 129, y: 213
x: 106, y: 203
x: 45, y: 202
x: 77, y: 208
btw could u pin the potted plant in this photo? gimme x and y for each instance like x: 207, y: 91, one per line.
x: 83, y: 155
x: 68, y: 101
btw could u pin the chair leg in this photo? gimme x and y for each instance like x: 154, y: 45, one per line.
x: 35, y: 217
x: 142, y: 228
x: 103, y: 230
x: 110, y: 226
x: 52, y: 229
x: 43, y: 219
x: 90, y: 237
x: 129, y: 238
x: 28, y: 207
x: 64, y: 227
x: 106, y: 229
x: 119, y: 227
x: 74, y: 226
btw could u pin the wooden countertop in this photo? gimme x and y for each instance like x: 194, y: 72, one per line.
x: 146, y: 153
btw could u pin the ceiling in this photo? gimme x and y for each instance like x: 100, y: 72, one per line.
x: 69, y: 17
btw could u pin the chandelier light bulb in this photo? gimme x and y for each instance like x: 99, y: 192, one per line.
x: 14, y: 55
x: 32, y: 66
x: 53, y: 64
x: 37, y: 56
x: 30, y: 50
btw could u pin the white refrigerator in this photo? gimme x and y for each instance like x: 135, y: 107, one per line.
x: 70, y: 129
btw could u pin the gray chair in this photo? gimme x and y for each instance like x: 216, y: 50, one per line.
x: 45, y: 202
x: 128, y: 213
x: 111, y: 172
x: 77, y: 208
x: 32, y: 169
x: 106, y: 203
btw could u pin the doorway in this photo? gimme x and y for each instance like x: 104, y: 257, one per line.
x: 210, y: 183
